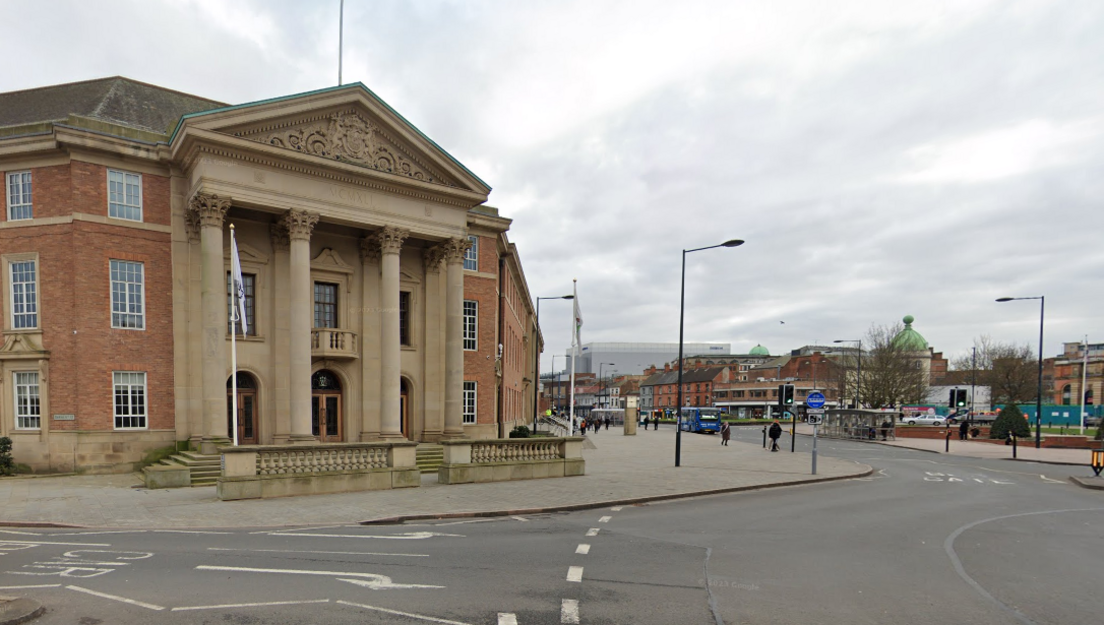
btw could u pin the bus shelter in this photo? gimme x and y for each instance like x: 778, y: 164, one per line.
x: 857, y: 424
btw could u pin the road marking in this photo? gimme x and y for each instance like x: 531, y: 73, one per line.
x: 517, y: 518
x: 407, y: 614
x: 130, y: 555
x: 336, y: 553
x: 438, y: 524
x: 1047, y: 479
x: 30, y: 587
x: 104, y: 595
x: 575, y: 574
x: 582, y: 549
x: 23, y: 533
x: 4, y: 543
x: 592, y: 531
x: 617, y: 509
x: 249, y: 605
x: 505, y: 618
x: 102, y: 532
x: 979, y: 481
x: 605, y: 519
x: 569, y: 611
x: 405, y: 536
x: 188, y: 532
x: 368, y: 580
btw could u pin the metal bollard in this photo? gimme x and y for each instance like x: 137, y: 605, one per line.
x: 1013, y: 446
x: 947, y: 449
x: 764, y: 437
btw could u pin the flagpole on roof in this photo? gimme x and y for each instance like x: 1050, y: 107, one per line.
x: 575, y: 347
x: 233, y: 336
x: 340, y: 39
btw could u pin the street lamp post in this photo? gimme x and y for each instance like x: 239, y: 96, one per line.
x: 1039, y: 390
x: 682, y: 318
x: 536, y: 362
x: 858, y: 372
x: 601, y: 386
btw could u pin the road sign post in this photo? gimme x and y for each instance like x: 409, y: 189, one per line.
x: 815, y: 401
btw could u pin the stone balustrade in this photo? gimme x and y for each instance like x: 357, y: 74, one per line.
x: 263, y: 471
x: 333, y: 343
x: 505, y: 459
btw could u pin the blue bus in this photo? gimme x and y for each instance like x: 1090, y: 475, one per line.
x: 701, y: 420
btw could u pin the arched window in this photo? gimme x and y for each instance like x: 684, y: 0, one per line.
x: 324, y: 380
x: 1066, y: 392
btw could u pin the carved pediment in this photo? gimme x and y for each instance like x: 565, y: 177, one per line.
x: 22, y: 346
x: 329, y: 260
x: 351, y: 137
x: 247, y: 253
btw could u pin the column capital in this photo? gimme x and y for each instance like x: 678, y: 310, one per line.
x: 279, y: 236
x: 391, y: 239
x: 455, y: 249
x: 299, y: 224
x: 432, y: 256
x: 208, y: 209
x: 369, y: 249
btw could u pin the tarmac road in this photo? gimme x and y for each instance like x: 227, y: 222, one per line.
x: 927, y: 539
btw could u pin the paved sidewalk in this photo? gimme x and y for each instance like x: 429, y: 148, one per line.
x: 1025, y: 450
x: 620, y: 469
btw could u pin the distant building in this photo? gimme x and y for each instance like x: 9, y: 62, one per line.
x: 1068, y: 373
x: 633, y: 358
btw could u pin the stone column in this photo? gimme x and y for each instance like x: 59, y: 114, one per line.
x: 454, y: 336
x: 391, y: 240
x: 433, y: 384
x: 299, y: 225
x: 370, y: 338
x: 281, y: 335
x: 210, y: 210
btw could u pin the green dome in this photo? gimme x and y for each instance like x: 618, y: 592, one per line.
x: 908, y: 339
x: 759, y: 350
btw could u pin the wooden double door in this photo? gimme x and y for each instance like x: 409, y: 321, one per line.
x: 326, y: 413
x: 247, y: 409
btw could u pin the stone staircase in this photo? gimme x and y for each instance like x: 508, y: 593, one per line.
x: 205, y: 470
x: 430, y: 457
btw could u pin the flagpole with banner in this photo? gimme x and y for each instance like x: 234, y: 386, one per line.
x: 237, y: 314
x: 576, y: 325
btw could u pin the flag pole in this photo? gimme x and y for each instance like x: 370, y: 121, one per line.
x: 575, y: 351
x: 234, y: 347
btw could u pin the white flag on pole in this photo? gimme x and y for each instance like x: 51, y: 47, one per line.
x: 576, y: 338
x: 239, y: 285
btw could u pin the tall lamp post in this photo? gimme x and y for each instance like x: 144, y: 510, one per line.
x: 682, y: 318
x: 1039, y: 390
x: 601, y: 386
x: 858, y: 373
x: 536, y: 363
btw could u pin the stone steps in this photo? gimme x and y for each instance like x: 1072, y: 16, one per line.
x: 205, y: 470
x: 430, y: 457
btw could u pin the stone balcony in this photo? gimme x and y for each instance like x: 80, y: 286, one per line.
x: 333, y: 343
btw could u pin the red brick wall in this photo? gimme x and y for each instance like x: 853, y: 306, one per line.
x: 479, y: 365
x: 75, y: 300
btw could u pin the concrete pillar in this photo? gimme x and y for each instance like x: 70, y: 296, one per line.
x: 454, y: 336
x: 370, y: 338
x: 433, y: 383
x: 210, y: 210
x: 391, y: 240
x: 299, y: 225
x: 281, y: 335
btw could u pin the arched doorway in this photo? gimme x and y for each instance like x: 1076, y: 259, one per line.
x: 404, y: 409
x: 247, y: 409
x: 326, y: 414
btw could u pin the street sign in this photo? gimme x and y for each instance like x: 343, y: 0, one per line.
x: 816, y: 419
x: 814, y: 411
x: 815, y: 400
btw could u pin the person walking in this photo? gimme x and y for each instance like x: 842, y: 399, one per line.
x: 645, y: 423
x: 726, y: 432
x: 774, y: 433
x: 885, y: 428
x: 582, y: 426
x: 964, y: 431
x: 607, y: 422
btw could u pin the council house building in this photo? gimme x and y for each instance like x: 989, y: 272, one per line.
x: 383, y: 299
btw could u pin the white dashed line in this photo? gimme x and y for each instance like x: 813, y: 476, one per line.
x: 569, y: 611
x: 248, y: 605
x: 605, y: 519
x: 592, y: 531
x: 617, y: 509
x: 404, y: 536
x: 188, y: 532
x: 30, y: 587
x: 104, y: 595
x: 97, y: 533
x: 517, y: 518
x: 582, y: 549
x: 23, y: 533
x: 575, y: 574
x: 335, y: 553
x: 505, y: 618
x: 407, y: 614
x: 5, y: 543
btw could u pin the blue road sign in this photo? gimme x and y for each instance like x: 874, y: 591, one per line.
x: 815, y: 400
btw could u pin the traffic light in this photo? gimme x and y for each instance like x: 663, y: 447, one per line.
x: 787, y: 394
x: 958, y: 398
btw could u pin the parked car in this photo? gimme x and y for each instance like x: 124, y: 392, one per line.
x: 1092, y: 422
x: 925, y: 420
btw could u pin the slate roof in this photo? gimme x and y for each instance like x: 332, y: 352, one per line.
x: 115, y: 100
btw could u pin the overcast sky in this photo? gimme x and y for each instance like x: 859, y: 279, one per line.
x: 879, y: 158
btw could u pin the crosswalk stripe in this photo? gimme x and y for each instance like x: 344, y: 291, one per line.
x: 569, y: 611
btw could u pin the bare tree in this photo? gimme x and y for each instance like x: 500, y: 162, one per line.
x: 892, y: 374
x: 1009, y: 370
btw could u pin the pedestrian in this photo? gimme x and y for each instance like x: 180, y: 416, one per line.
x: 582, y: 426
x: 607, y: 422
x: 645, y: 423
x: 964, y: 431
x: 885, y: 428
x: 774, y: 433
x: 726, y: 431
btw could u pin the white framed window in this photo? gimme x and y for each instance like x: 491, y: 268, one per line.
x: 471, y: 256
x: 130, y: 400
x: 24, y: 294
x: 19, y: 196
x: 124, y: 195
x: 471, y: 318
x: 28, y: 406
x: 469, y: 402
x: 128, y: 295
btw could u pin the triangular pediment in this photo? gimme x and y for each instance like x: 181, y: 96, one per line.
x: 329, y: 260
x: 247, y: 253
x: 347, y: 124
x: 22, y: 346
